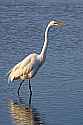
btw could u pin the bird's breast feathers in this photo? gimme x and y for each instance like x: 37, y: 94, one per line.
x: 26, y: 69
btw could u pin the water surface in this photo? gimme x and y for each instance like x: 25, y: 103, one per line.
x: 58, y: 86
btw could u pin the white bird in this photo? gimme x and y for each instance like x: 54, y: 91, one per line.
x: 28, y: 67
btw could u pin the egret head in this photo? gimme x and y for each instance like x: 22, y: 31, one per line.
x: 56, y: 23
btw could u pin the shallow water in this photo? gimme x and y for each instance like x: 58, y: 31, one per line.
x: 58, y: 86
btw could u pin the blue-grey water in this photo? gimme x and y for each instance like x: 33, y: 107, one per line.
x: 58, y: 86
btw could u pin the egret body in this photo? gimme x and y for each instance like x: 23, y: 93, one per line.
x: 28, y: 67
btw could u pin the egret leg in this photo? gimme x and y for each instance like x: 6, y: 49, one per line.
x: 30, y: 88
x: 30, y: 100
x: 20, y: 86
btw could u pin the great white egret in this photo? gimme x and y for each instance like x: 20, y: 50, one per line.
x: 28, y: 67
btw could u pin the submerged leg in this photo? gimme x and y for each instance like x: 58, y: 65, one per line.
x: 20, y: 87
x: 30, y: 99
x: 30, y: 88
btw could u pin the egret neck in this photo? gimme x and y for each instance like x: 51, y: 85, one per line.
x: 44, y: 49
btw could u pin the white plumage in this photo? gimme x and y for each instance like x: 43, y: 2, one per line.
x: 28, y: 67
x: 25, y: 69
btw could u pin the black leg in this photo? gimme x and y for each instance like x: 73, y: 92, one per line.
x: 20, y: 86
x: 30, y: 99
x: 30, y: 88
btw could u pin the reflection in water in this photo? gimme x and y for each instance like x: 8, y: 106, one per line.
x: 21, y: 100
x: 24, y: 115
